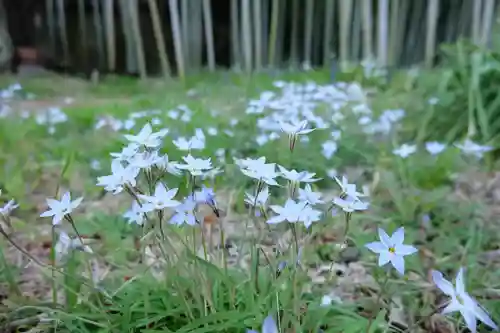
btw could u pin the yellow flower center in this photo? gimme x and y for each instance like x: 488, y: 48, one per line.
x: 392, y: 250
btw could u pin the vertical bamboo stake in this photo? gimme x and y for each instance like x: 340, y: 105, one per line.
x: 82, y: 26
x: 265, y: 30
x: 209, y: 34
x: 327, y: 32
x: 382, y: 31
x: 176, y: 31
x: 345, y: 21
x: 131, y: 59
x: 195, y: 33
x: 280, y: 32
x: 110, y: 34
x: 136, y: 30
x: 308, y: 35
x: 476, y: 20
x: 185, y: 32
x: 488, y: 17
x: 273, y: 33
x: 430, y: 40
x: 257, y: 25
x: 394, y: 27
x: 247, y: 34
x: 367, y: 29
x: 160, y: 39
x: 235, y: 35
x: 404, y: 6
x: 61, y: 15
x: 99, y: 32
x: 356, y: 31
x: 294, y: 48
x: 49, y: 4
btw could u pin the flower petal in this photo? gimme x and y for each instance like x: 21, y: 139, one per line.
x: 398, y: 263
x: 384, y: 258
x: 275, y: 220
x: 483, y: 316
x: 470, y: 319
x: 269, y: 325
x: 459, y: 282
x: 453, y: 306
x: 384, y: 237
x: 444, y: 285
x: 376, y: 247
x: 405, y: 250
x: 398, y: 236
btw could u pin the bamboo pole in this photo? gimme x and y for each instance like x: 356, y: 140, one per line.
x: 404, y: 9
x: 130, y: 54
x: 176, y: 31
x: 273, y: 33
x: 356, y: 31
x: 345, y: 20
x: 185, y: 33
x: 136, y: 30
x: 99, y: 32
x: 393, y: 34
x: 61, y: 15
x: 476, y: 20
x: 235, y: 35
x: 430, y: 40
x: 247, y: 35
x: 209, y: 34
x: 51, y: 27
x: 160, y: 39
x: 327, y: 32
x: 294, y: 48
x: 257, y: 25
x: 82, y: 35
x: 382, y: 32
x: 488, y: 17
x: 366, y: 7
x: 308, y: 32
x: 110, y: 34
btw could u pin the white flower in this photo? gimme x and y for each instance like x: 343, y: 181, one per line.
x: 259, y: 169
x: 309, y: 215
x: 290, y: 212
x: 309, y: 196
x: 59, y: 209
x: 298, y: 177
x: 161, y: 198
x: 471, y: 148
x: 127, y: 153
x: 65, y: 244
x: 391, y: 249
x: 120, y: 177
x: 260, y: 200
x: 294, y: 212
x: 8, y: 208
x: 405, y: 150
x: 347, y: 188
x: 461, y: 301
x: 195, y: 166
x: 194, y: 143
x: 145, y: 160
x: 295, y: 128
x: 350, y: 204
x: 146, y: 137
x: 434, y: 147
x: 136, y: 213
x: 329, y: 148
x: 184, y: 213
x: 268, y: 326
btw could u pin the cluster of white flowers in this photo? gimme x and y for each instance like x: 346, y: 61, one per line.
x: 141, y: 162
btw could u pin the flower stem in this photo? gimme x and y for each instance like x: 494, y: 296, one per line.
x: 378, y: 301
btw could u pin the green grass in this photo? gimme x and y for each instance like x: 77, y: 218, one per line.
x: 198, y: 295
